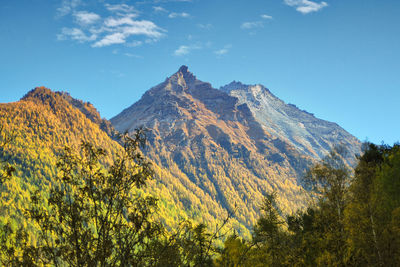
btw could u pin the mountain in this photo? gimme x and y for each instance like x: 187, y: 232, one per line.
x: 229, y: 147
x: 310, y: 135
x: 213, y: 150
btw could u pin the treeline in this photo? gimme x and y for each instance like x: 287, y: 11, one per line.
x: 97, y: 216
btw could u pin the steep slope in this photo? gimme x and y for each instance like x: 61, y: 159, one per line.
x: 213, y: 145
x: 310, y: 135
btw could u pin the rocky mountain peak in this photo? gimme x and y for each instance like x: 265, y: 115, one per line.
x: 184, y: 69
x: 234, y: 85
x: 255, y: 89
x: 183, y: 77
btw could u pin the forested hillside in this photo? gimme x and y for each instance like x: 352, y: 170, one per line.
x: 43, y: 122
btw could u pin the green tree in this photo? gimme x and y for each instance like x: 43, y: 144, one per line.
x: 94, y: 216
x: 269, y: 238
x: 361, y: 213
x: 386, y: 199
x: 304, y: 235
x: 234, y: 253
x: 330, y: 180
x: 192, y: 245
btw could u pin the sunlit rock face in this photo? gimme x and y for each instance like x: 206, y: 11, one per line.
x: 310, y: 135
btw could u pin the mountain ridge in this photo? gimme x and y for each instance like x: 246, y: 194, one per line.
x: 210, y: 153
x: 309, y: 134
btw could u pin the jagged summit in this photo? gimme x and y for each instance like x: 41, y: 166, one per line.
x: 183, y: 69
x: 182, y: 77
x: 234, y: 85
x: 237, y: 85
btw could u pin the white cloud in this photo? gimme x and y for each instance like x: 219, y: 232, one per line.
x: 182, y: 50
x: 223, y: 51
x: 67, y: 6
x: 159, y: 9
x: 75, y: 34
x: 205, y: 26
x: 185, y: 49
x: 134, y: 43
x: 143, y: 27
x: 176, y: 15
x: 121, y: 8
x: 114, y: 38
x: 165, y: 1
x: 132, y: 55
x: 119, y: 35
x: 125, y: 20
x: 116, y: 29
x: 265, y: 16
x: 251, y: 25
x: 306, y: 6
x: 85, y: 18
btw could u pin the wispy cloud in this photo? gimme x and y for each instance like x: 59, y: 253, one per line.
x: 134, y: 43
x: 75, y: 34
x: 265, y: 16
x: 123, y: 20
x: 120, y: 8
x: 85, y: 18
x: 205, y: 26
x: 132, y: 55
x: 306, y: 6
x: 223, y: 51
x: 163, y: 1
x: 251, y: 25
x: 171, y: 15
x: 178, y: 15
x: 118, y: 28
x: 124, y: 29
x: 67, y: 7
x: 114, y: 38
x: 186, y: 49
x: 182, y: 50
x: 159, y: 9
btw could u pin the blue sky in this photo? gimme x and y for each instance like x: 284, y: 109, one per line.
x: 338, y: 59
